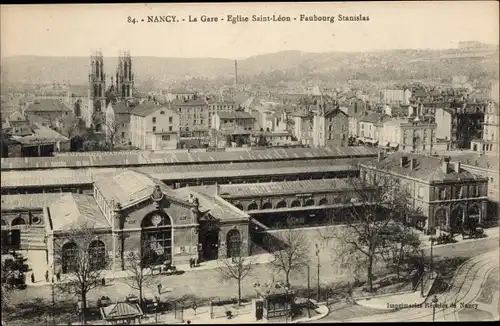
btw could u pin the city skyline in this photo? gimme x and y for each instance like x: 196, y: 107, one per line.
x: 391, y: 26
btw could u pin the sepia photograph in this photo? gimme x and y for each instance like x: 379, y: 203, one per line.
x: 240, y: 163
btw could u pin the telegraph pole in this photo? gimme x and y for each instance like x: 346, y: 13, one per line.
x: 308, y: 281
x: 317, y: 255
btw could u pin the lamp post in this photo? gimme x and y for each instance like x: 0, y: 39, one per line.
x: 434, y: 301
x: 317, y: 255
x: 286, y: 303
x: 432, y: 264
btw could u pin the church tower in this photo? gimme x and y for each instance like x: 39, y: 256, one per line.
x: 97, y: 91
x: 124, y: 76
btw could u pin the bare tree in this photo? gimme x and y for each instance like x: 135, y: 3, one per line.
x: 404, y: 247
x: 290, y: 251
x: 235, y: 268
x: 112, y: 129
x: 139, y: 275
x: 83, y: 263
x: 375, y: 203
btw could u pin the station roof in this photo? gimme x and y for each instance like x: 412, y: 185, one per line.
x: 29, y: 201
x: 139, y: 158
x: 60, y: 177
x: 72, y: 211
x: 282, y: 188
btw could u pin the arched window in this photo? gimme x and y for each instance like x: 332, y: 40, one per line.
x: 281, y: 204
x: 296, y: 203
x: 474, y: 212
x: 97, y: 255
x: 441, y: 218
x: 18, y: 221
x: 233, y: 240
x: 323, y: 202
x: 252, y: 206
x: 69, y: 257
x: 3, y: 222
x: 309, y: 202
x: 239, y: 206
x: 267, y: 205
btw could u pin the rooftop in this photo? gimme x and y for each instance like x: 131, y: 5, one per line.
x: 72, y: 211
x: 121, y: 310
x: 40, y: 134
x: 47, y: 105
x: 116, y: 159
x: 29, y: 201
x: 146, y: 108
x: 427, y: 168
x: 235, y: 115
x: 280, y: 188
x: 129, y: 186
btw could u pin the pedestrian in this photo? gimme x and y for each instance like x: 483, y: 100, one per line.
x: 32, y: 277
x: 47, y: 276
x: 191, y: 262
x: 58, y: 276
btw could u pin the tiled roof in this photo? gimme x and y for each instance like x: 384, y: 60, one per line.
x: 282, y: 188
x: 196, y: 102
x: 235, y: 115
x: 116, y: 159
x: 73, y: 210
x: 121, y: 108
x: 373, y: 117
x: 427, y: 168
x: 47, y: 105
x: 146, y: 108
x: 333, y: 112
x: 120, y: 310
x: 41, y: 134
x: 29, y: 201
x: 488, y: 162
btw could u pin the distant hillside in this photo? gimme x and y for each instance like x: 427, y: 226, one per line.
x: 292, y: 65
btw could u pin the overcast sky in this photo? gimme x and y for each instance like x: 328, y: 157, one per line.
x: 76, y: 30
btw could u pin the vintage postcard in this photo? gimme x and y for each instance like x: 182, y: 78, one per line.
x: 236, y: 163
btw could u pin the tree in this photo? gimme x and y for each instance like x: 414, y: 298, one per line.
x: 83, y: 263
x: 376, y: 202
x: 289, y: 251
x: 139, y: 275
x: 235, y: 268
x: 112, y: 129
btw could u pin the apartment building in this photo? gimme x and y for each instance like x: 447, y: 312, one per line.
x: 154, y: 127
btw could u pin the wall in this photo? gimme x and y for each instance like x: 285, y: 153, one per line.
x: 443, y: 122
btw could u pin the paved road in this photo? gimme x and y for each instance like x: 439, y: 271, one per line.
x: 206, y: 284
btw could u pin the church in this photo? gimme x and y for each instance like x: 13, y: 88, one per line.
x: 132, y: 212
x: 92, y: 110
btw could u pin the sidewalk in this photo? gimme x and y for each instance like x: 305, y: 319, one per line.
x: 110, y: 275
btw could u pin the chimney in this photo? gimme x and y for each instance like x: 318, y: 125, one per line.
x: 445, y: 165
x: 235, y: 72
x: 413, y: 163
x: 404, y: 160
x: 457, y: 167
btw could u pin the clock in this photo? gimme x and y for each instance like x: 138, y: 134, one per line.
x: 156, y: 219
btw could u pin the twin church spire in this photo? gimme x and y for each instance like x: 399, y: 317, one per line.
x: 123, y: 88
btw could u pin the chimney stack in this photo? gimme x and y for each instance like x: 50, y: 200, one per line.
x: 404, y: 160
x: 235, y: 72
x: 445, y: 165
x: 413, y: 163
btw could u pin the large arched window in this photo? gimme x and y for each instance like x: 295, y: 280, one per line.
x: 252, y: 206
x: 296, y: 203
x: 97, y: 255
x: 70, y: 257
x: 323, y: 202
x: 281, y: 204
x: 156, y: 239
x: 233, y: 240
x: 267, y: 205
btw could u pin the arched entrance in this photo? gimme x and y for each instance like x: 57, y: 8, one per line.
x: 441, y: 218
x: 69, y: 257
x: 323, y: 202
x: 156, y: 239
x: 474, y: 214
x: 295, y: 203
x: 281, y: 204
x: 15, y: 233
x: 457, y: 219
x: 97, y: 254
x: 267, y: 205
x: 209, y: 240
x: 252, y: 206
x: 233, y: 240
x: 309, y: 202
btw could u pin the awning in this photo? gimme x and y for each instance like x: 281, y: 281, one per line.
x: 393, y: 145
